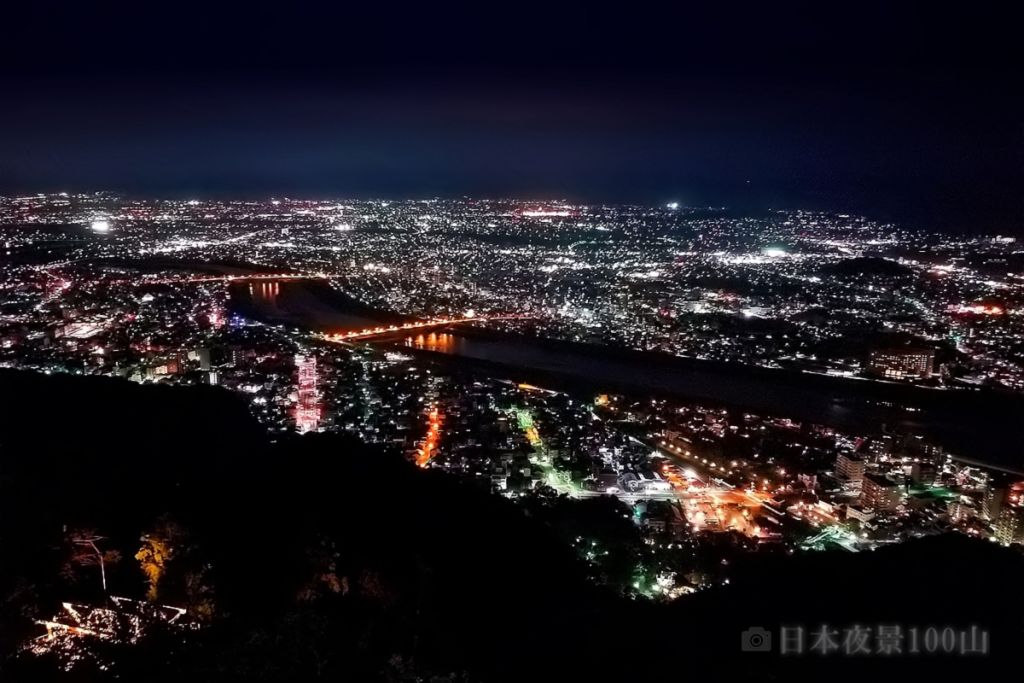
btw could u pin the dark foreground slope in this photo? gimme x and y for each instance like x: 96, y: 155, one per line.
x: 319, y: 558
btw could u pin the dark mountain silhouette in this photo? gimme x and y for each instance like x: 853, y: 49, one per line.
x: 321, y: 558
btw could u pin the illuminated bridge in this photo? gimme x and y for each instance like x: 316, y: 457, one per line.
x: 368, y: 333
x: 253, y: 277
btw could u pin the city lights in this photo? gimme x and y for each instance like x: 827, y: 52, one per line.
x: 423, y: 339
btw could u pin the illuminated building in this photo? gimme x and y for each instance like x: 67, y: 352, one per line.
x: 307, y: 412
x: 850, y: 468
x: 1009, y: 525
x: 902, y: 363
x: 995, y: 497
x: 879, y: 493
x: 859, y: 513
x: 959, y: 512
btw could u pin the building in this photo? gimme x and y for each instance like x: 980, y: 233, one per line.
x: 902, y: 363
x: 850, y: 467
x: 307, y: 412
x: 860, y: 514
x: 995, y: 496
x: 922, y: 473
x: 1009, y: 526
x: 809, y: 481
x: 960, y: 512
x: 880, y: 493
x: 499, y: 481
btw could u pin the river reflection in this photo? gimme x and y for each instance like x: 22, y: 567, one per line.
x: 443, y: 342
x: 306, y: 304
x: 265, y: 293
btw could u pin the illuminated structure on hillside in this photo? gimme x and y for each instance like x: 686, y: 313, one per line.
x: 307, y: 411
x: 76, y: 634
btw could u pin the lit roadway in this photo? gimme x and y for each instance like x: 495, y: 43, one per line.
x: 195, y: 279
x: 368, y: 333
x: 229, y: 278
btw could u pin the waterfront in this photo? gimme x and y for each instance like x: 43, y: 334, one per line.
x: 974, y: 424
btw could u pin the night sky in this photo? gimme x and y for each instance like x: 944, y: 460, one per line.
x: 911, y: 114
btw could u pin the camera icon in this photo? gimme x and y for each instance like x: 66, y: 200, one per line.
x: 756, y: 639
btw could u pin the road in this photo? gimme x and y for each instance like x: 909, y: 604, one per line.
x: 380, y: 331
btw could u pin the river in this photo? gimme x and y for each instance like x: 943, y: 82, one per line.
x: 981, y: 425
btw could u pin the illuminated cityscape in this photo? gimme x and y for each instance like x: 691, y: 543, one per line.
x: 328, y: 329
x: 835, y: 295
x: 424, y: 344
x: 322, y: 329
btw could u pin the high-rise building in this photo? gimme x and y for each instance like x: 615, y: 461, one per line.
x: 880, y: 493
x: 995, y: 496
x: 307, y: 411
x: 959, y: 512
x: 850, y: 467
x: 902, y: 363
x: 1009, y: 526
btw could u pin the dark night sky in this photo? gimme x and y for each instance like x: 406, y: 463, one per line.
x: 913, y: 114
